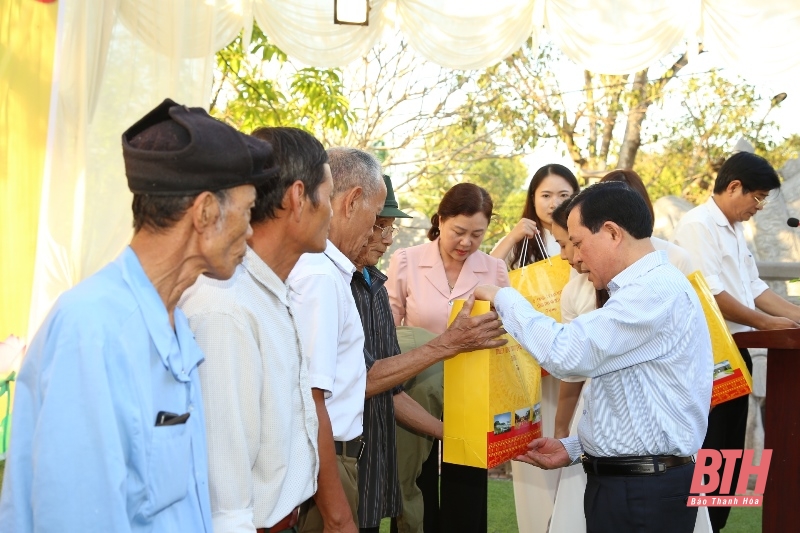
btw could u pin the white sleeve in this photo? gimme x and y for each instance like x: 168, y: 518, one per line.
x: 698, y: 240
x: 316, y: 309
x: 593, y: 344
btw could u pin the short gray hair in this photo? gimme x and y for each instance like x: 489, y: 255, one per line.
x: 351, y: 167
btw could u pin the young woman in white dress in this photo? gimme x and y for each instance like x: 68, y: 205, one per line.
x: 577, y: 298
x: 534, y: 489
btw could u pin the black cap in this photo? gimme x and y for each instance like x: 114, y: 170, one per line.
x: 216, y: 157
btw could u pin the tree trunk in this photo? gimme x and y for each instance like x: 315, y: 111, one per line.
x: 633, y: 128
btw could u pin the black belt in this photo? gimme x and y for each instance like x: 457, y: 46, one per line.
x: 632, y: 466
x: 351, y: 448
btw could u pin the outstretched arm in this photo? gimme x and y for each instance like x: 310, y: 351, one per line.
x: 465, y: 334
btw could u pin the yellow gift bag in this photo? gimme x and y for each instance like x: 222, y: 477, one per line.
x: 491, y: 402
x: 541, y: 283
x: 731, y: 377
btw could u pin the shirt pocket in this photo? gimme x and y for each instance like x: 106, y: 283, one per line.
x: 169, y: 468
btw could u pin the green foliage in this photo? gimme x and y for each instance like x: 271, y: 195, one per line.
x: 686, y: 153
x: 463, y: 153
x: 779, y: 153
x: 262, y: 88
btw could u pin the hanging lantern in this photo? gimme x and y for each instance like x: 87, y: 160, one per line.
x: 353, y: 12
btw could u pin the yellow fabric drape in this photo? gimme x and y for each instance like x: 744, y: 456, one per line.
x: 27, y: 47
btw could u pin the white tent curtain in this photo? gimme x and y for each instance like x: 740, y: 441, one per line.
x: 304, y: 29
x: 757, y: 39
x: 116, y: 59
x: 110, y: 68
x: 466, y: 35
x: 613, y: 36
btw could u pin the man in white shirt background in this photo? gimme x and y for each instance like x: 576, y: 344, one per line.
x: 332, y: 337
x: 648, y: 353
x: 261, y: 418
x: 713, y: 234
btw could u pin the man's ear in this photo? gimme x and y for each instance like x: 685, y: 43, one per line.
x: 205, y: 211
x: 351, y: 201
x: 295, y: 200
x: 613, y: 230
x: 733, y: 186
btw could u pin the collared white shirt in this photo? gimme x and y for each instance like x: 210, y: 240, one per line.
x: 577, y: 297
x: 648, y: 351
x: 677, y: 256
x: 332, y: 336
x: 261, y: 419
x: 719, y: 250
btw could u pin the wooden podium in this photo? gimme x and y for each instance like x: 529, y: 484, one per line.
x: 781, y: 507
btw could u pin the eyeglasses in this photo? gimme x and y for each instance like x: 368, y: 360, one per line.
x: 761, y: 202
x: 387, y: 230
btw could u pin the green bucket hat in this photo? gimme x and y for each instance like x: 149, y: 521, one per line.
x: 390, y: 207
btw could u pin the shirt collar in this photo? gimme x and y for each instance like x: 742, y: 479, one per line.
x: 377, y: 278
x: 339, y: 259
x: 265, y: 275
x: 637, y: 270
x: 174, y: 347
x: 716, y: 213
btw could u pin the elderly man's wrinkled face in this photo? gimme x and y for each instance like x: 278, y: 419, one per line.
x: 360, y: 225
x: 225, y: 244
x: 378, y: 243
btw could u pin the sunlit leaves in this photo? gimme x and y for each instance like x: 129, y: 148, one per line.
x: 262, y: 88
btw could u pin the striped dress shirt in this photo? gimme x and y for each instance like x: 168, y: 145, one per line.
x: 648, y: 351
x: 378, y: 483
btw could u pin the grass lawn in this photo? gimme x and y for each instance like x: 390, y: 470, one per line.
x: 503, y: 518
x: 744, y: 520
x: 502, y: 513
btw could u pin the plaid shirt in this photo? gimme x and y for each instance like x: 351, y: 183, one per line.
x: 378, y: 485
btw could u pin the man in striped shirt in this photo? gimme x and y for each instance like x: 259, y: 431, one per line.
x: 648, y: 353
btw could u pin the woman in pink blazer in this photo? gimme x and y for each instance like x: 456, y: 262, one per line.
x: 423, y: 282
x: 425, y: 279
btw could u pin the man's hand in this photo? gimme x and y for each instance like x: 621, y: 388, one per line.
x: 546, y: 453
x: 777, y: 322
x: 468, y: 333
x: 485, y: 292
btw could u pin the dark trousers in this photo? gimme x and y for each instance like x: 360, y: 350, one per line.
x: 727, y: 425
x: 640, y: 504
x: 369, y: 530
x: 428, y: 483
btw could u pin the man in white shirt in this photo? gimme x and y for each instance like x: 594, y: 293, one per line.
x: 713, y: 234
x: 261, y: 419
x: 648, y: 353
x: 332, y: 337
